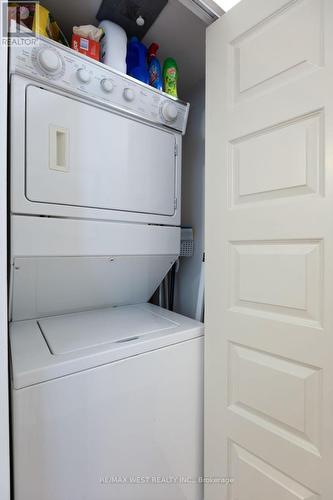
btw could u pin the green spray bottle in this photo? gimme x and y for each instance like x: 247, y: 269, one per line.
x: 170, y: 76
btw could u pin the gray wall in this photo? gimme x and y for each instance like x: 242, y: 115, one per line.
x: 192, y: 201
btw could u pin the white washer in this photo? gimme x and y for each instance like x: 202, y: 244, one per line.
x: 93, y: 396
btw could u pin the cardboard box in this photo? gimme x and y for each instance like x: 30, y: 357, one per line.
x: 86, y: 46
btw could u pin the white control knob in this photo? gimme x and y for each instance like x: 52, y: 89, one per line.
x: 169, y: 111
x: 129, y: 95
x: 107, y: 85
x: 83, y: 75
x: 49, y: 60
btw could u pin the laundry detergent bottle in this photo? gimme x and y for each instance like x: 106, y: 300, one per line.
x: 136, y: 60
x: 154, y: 67
x: 170, y: 76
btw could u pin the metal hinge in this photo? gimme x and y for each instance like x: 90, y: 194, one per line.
x: 175, y: 203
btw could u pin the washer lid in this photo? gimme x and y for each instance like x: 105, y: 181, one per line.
x: 72, y: 332
x: 53, y: 347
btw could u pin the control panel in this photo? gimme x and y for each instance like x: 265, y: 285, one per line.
x: 68, y: 70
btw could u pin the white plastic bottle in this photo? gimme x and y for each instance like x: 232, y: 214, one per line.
x: 113, y: 45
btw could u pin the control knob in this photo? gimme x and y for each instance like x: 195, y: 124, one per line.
x: 83, y: 75
x: 129, y: 94
x: 49, y: 61
x: 169, y: 111
x: 107, y: 85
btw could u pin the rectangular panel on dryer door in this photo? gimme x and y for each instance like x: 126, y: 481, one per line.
x: 83, y: 156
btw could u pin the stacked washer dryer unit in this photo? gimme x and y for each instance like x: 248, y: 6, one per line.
x: 106, y: 388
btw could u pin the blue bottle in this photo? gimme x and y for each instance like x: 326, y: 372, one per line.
x: 154, y: 68
x: 136, y: 60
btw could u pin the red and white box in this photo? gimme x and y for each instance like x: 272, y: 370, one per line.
x: 90, y: 48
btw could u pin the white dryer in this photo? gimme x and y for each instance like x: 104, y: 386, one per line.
x: 88, y: 142
x: 106, y: 389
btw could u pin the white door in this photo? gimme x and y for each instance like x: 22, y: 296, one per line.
x: 269, y: 340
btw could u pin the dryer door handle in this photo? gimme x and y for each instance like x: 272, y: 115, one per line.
x: 59, y: 148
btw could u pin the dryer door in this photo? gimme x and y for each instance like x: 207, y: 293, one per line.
x: 79, y: 155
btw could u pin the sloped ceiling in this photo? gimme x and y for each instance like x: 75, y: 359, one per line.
x: 179, y: 32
